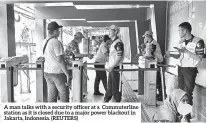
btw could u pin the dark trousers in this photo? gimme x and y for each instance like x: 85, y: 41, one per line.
x: 100, y: 76
x: 113, y: 86
x: 186, y: 80
x: 159, y: 84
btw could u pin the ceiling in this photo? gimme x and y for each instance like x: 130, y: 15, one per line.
x: 90, y: 11
x: 102, y: 14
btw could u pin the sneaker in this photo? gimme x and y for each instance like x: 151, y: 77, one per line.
x: 105, y: 101
x: 98, y: 93
x: 159, y: 98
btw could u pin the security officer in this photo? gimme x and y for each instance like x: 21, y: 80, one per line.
x: 155, y: 47
x: 191, y: 51
x: 155, y: 51
x: 116, y: 57
x: 101, y: 57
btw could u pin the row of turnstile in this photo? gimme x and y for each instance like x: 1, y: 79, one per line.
x: 8, y: 79
x: 148, y: 85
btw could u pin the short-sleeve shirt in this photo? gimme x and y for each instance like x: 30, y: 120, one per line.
x: 116, y: 50
x: 157, y: 51
x: 71, y: 49
x: 102, y: 53
x: 196, y: 46
x: 53, y: 49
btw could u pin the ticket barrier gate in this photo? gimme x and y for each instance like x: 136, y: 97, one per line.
x: 9, y: 67
x: 76, y: 89
x: 41, y: 86
x: 150, y: 78
x: 6, y: 80
x: 149, y: 68
x: 76, y: 95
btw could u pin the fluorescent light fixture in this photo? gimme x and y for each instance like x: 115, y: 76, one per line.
x: 59, y: 4
x: 151, y: 5
x: 109, y: 21
x: 46, y: 4
x: 73, y: 19
x: 107, y: 6
x: 32, y: 5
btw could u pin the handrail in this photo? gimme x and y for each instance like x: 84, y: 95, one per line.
x: 140, y: 69
x: 163, y: 65
x: 105, y: 64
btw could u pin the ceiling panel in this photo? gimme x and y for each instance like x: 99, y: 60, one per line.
x: 71, y: 12
x: 72, y: 22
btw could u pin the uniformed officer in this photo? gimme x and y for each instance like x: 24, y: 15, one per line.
x: 155, y: 47
x: 155, y: 52
x: 116, y: 57
x: 101, y: 57
x: 191, y: 51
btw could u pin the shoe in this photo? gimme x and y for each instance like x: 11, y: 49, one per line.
x: 159, y: 98
x: 98, y: 93
x: 105, y: 101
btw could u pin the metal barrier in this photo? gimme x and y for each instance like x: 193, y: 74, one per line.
x: 129, y: 70
x: 78, y: 72
x: 151, y: 101
x: 7, y: 79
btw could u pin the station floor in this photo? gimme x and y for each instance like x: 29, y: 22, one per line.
x: 128, y: 95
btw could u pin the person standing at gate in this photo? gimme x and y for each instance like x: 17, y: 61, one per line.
x: 55, y: 71
x: 116, y: 57
x: 155, y: 51
x: 72, y: 50
x: 191, y: 51
x: 101, y: 57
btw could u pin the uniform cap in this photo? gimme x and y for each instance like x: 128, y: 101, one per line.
x: 149, y: 32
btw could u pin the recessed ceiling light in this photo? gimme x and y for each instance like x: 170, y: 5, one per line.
x: 57, y: 4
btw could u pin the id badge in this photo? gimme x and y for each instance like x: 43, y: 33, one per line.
x: 191, y: 47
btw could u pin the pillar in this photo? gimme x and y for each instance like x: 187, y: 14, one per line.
x: 7, y: 31
x: 7, y: 49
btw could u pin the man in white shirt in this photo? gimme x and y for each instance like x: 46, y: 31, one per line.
x: 116, y: 57
x: 101, y: 57
x: 55, y: 71
x: 191, y: 51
